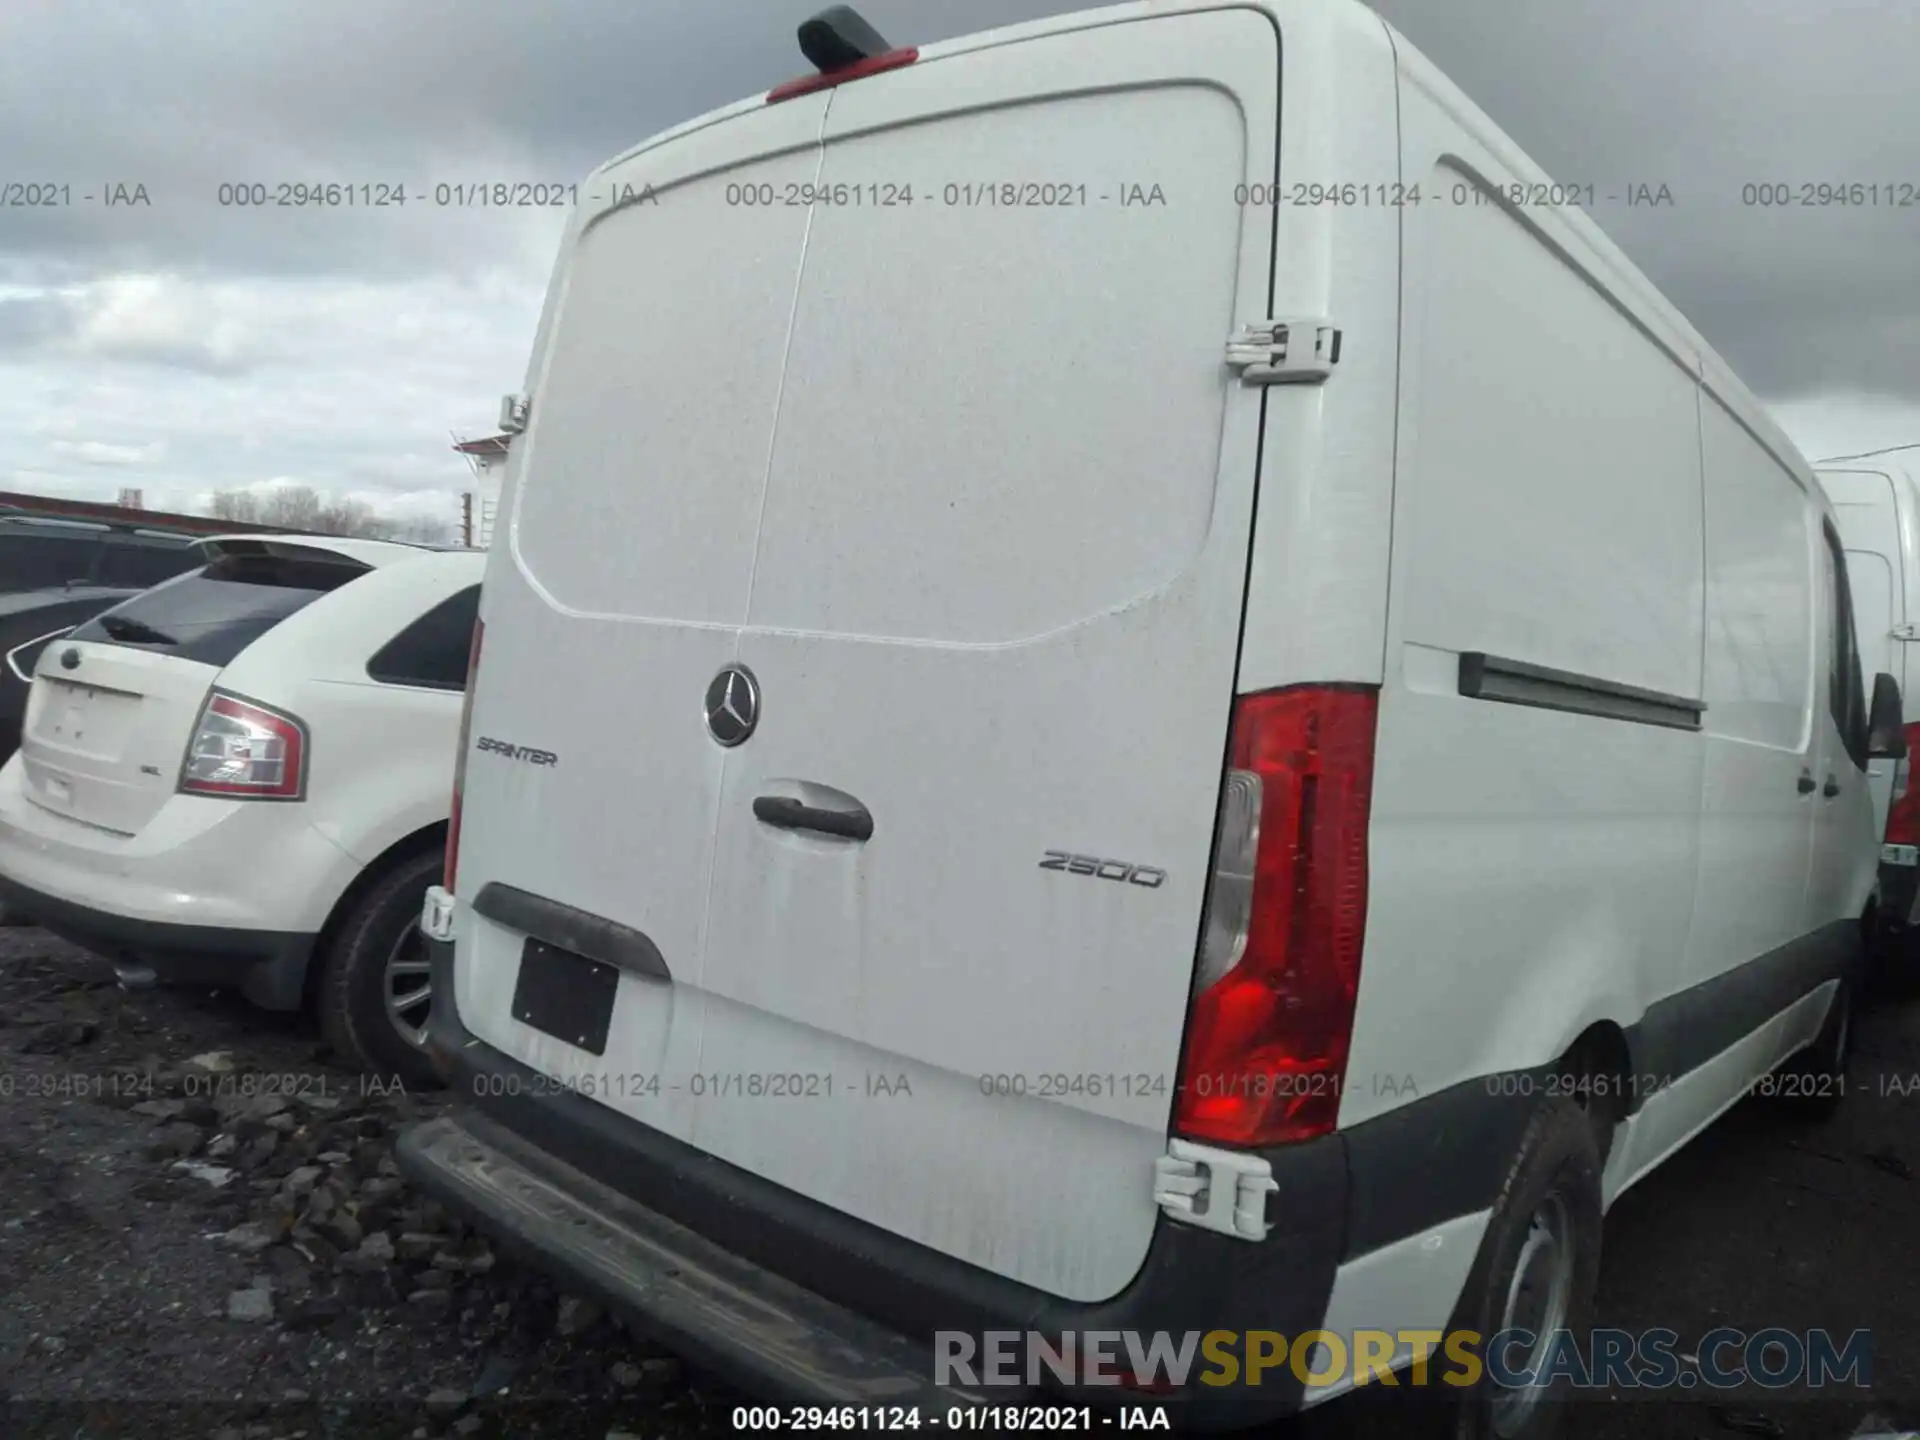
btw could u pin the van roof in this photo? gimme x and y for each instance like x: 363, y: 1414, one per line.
x: 1616, y: 276
x: 1894, y: 460
x: 1343, y: 28
x: 1869, y: 483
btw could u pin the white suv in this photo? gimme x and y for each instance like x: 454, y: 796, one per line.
x: 240, y: 777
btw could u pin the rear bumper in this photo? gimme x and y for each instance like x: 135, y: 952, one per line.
x: 211, y: 891
x: 795, y: 1301
x: 268, y: 966
x: 717, y: 1309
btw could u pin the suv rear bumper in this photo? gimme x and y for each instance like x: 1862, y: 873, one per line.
x: 210, y: 892
x: 796, y: 1301
x: 268, y: 966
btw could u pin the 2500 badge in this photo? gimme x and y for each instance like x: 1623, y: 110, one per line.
x: 1123, y: 871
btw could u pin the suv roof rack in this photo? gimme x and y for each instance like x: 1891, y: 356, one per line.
x: 17, y: 505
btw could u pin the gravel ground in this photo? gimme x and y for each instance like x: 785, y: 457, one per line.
x: 202, y: 1234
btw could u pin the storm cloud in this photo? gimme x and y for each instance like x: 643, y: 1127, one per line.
x: 183, y: 344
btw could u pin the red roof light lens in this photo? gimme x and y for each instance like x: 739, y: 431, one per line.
x: 859, y: 70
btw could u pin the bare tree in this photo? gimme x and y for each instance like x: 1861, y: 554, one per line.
x: 422, y: 530
x: 300, y: 507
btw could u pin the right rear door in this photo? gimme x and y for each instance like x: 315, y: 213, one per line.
x: 996, y: 604
x: 989, y: 582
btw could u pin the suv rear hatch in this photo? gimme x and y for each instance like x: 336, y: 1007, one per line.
x: 115, y: 704
x: 908, y: 398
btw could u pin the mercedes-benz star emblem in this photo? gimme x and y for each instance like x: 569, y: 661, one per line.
x: 70, y: 658
x: 733, y: 705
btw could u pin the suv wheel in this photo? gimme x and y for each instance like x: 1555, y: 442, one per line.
x: 375, y: 993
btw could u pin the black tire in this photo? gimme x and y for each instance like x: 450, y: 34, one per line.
x: 1893, y: 963
x: 353, y: 989
x: 1553, y: 1182
x: 1813, y: 1081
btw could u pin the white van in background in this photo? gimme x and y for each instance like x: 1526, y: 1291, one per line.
x: 1876, y: 504
x: 1043, y: 761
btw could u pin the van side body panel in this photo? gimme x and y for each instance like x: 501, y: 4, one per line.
x: 1546, y: 511
x: 1579, y: 484
x: 1317, y: 587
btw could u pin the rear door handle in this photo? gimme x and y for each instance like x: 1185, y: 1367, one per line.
x: 1832, y: 788
x: 790, y: 814
x: 1807, y: 782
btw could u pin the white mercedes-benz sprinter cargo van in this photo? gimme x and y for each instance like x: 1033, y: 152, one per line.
x: 1876, y: 505
x: 1131, y: 686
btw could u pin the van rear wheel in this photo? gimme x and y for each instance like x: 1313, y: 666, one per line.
x: 375, y: 993
x: 1537, y: 1270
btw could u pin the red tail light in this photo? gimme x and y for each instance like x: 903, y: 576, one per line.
x: 460, y: 758
x: 1279, y: 968
x: 242, y: 750
x: 1903, y: 816
x: 860, y: 69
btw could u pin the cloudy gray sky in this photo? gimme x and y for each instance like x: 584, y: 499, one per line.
x: 184, y: 346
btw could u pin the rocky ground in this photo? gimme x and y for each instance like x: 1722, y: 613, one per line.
x: 203, y: 1234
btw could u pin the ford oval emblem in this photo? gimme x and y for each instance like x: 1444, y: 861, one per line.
x: 70, y: 658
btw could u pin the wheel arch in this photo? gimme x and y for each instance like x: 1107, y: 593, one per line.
x: 1603, y: 1053
x: 426, y: 838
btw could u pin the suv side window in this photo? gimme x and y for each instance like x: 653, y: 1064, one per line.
x: 1846, y: 692
x: 433, y: 651
x: 45, y: 559
x: 136, y: 565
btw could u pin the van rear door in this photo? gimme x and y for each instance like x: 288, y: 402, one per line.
x: 631, y: 511
x: 980, y: 541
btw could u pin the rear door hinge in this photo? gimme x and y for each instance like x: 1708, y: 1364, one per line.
x: 1908, y: 631
x: 1223, y: 1190
x: 1285, y: 352
x: 514, y: 410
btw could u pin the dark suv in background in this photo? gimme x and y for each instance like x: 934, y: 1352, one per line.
x: 29, y: 622
x: 46, y: 552
x: 57, y: 572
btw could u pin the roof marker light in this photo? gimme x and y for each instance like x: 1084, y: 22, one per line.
x: 842, y: 47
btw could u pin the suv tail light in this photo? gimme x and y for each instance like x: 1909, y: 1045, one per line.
x: 1903, y: 816
x: 1279, y: 969
x: 460, y: 758
x: 243, y: 750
